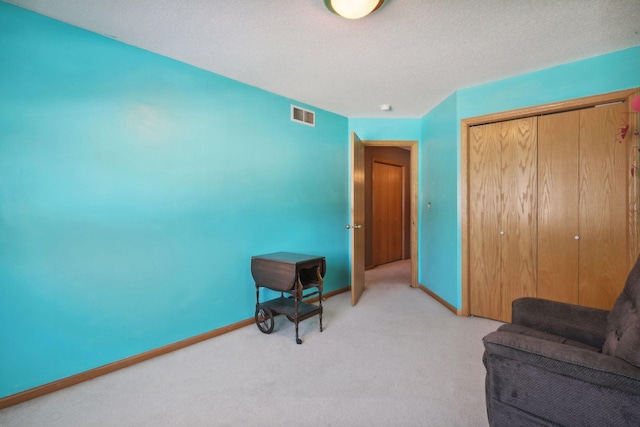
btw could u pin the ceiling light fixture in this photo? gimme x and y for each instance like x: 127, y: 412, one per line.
x: 353, y: 9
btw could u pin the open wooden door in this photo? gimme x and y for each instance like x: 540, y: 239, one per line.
x: 357, y: 218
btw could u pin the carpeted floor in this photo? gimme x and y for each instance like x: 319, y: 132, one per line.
x: 398, y: 358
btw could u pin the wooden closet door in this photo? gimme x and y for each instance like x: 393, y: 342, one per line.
x: 518, y: 212
x: 604, y: 208
x: 484, y: 220
x: 558, y: 171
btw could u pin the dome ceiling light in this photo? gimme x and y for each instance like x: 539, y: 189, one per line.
x: 353, y: 9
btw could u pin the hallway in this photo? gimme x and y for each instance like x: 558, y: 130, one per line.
x: 391, y: 274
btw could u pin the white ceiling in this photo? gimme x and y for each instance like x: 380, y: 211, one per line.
x: 411, y: 54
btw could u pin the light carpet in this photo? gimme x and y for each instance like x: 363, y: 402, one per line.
x: 398, y: 358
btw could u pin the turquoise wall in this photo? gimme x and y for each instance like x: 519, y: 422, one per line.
x: 440, y: 231
x: 601, y: 74
x: 133, y: 191
x: 386, y: 129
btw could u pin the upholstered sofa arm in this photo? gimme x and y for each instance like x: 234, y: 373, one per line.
x: 583, y: 324
x: 532, y: 381
x: 582, y: 364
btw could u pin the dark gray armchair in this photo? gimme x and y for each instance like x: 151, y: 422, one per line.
x: 559, y: 364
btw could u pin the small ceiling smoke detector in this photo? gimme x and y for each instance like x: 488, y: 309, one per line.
x: 385, y: 107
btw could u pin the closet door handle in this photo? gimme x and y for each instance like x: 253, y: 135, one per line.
x: 501, y: 233
x: 576, y: 237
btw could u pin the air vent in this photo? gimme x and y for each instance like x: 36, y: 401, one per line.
x: 301, y: 115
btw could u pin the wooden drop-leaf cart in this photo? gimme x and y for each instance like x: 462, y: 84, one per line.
x: 298, y: 276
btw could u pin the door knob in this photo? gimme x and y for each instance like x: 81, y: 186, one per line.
x: 576, y: 237
x: 348, y: 226
x: 502, y: 233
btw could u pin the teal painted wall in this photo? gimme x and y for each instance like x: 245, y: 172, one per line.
x: 601, y: 74
x: 438, y: 269
x: 133, y: 191
x: 386, y: 129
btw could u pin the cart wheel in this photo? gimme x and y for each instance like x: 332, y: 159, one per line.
x: 298, y: 341
x: 291, y: 319
x: 264, y: 320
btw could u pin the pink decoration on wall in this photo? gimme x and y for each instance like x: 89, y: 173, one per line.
x: 635, y: 104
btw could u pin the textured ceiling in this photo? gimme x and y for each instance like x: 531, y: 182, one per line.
x: 411, y: 54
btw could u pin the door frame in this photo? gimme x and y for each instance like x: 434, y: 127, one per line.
x: 465, y: 124
x: 413, y: 196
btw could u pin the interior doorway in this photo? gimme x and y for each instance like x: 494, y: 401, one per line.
x: 387, y: 209
x: 394, y: 247
x: 397, y: 273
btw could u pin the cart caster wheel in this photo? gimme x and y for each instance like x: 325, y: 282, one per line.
x: 264, y: 320
x: 298, y: 341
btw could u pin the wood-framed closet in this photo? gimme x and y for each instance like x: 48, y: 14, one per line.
x: 521, y: 130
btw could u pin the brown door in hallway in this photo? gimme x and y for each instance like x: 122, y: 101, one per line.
x: 387, y: 196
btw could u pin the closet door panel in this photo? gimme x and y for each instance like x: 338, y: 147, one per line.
x: 484, y: 222
x: 518, y: 212
x: 558, y: 248
x: 603, y: 206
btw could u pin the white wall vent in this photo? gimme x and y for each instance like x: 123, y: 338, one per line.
x: 302, y: 115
